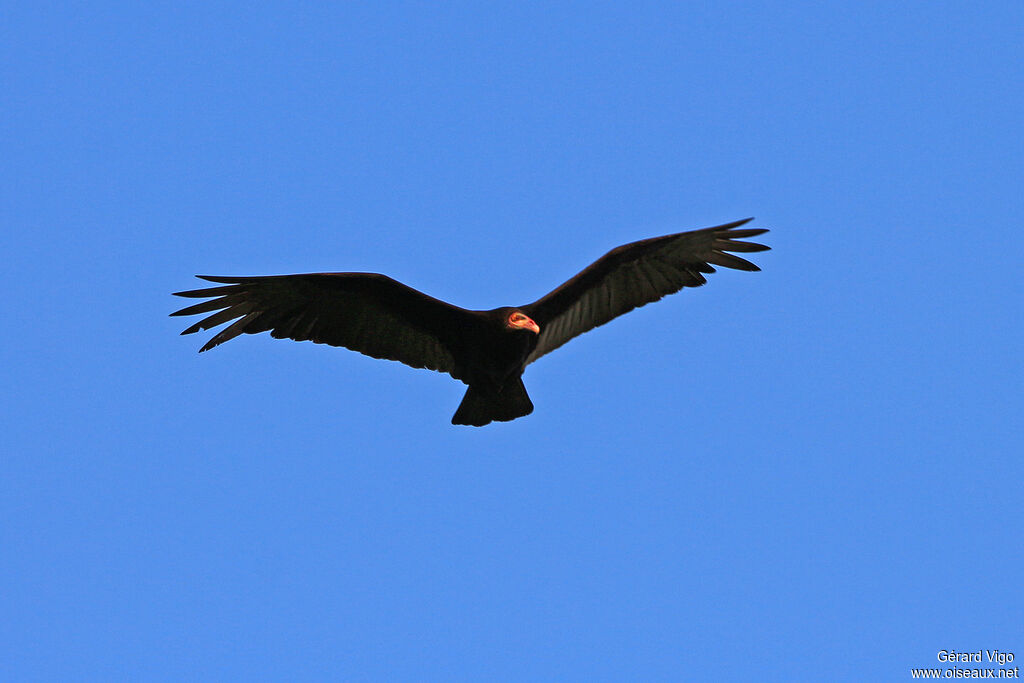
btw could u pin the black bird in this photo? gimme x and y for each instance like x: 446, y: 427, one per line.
x: 487, y: 350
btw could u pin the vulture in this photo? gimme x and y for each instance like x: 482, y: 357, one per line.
x: 487, y: 350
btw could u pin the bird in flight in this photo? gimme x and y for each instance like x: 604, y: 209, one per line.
x: 487, y: 350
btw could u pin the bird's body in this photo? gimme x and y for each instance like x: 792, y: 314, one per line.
x: 487, y: 350
x: 497, y: 362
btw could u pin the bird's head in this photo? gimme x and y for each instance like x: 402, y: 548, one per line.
x: 517, y: 320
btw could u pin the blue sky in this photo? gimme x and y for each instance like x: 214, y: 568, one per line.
x: 809, y: 473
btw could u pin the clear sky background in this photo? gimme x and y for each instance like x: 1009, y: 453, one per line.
x: 809, y: 473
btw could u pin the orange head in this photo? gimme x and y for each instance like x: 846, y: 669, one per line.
x: 520, y: 321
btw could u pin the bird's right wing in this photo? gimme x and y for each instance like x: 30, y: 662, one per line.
x: 633, y: 275
x: 365, y: 312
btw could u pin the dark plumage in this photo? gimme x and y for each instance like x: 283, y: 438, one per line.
x: 487, y: 350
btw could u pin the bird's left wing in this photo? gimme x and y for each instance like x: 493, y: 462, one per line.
x: 366, y: 312
x: 633, y: 275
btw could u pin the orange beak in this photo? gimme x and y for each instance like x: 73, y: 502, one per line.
x: 525, y: 323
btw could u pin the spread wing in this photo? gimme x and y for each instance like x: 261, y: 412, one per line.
x: 636, y: 274
x: 365, y: 312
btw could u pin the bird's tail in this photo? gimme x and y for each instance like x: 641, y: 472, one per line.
x: 480, y: 406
